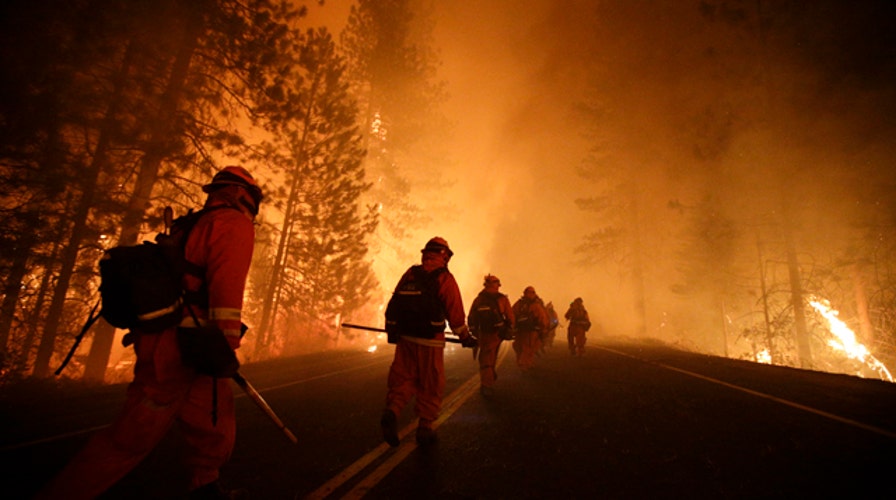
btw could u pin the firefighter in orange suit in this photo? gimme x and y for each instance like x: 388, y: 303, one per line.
x: 553, y: 323
x: 164, y: 389
x: 531, y: 319
x: 418, y: 366
x: 491, y: 321
x: 579, y: 324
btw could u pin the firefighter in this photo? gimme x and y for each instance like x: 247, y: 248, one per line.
x: 553, y: 321
x: 579, y: 324
x: 165, y: 390
x: 531, y: 319
x: 418, y: 366
x: 491, y: 321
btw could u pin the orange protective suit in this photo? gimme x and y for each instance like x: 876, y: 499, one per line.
x: 418, y: 366
x: 164, y: 391
x: 488, y: 334
x: 547, y: 339
x: 579, y: 324
x: 531, y: 319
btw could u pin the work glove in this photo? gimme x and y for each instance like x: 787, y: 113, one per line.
x: 506, y: 334
x: 205, y: 348
x: 469, y: 341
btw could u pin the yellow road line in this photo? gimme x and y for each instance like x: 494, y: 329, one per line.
x: 452, y: 404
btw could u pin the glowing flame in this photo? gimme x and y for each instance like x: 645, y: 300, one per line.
x: 845, y: 339
x: 764, y: 356
x: 371, y: 348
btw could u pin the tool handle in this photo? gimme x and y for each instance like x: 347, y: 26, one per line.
x: 374, y: 329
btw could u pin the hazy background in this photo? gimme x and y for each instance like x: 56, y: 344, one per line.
x: 516, y: 144
x: 696, y: 100
x: 696, y: 170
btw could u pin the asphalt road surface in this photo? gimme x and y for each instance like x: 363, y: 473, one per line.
x: 627, y: 420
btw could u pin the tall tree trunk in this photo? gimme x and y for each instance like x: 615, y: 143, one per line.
x: 160, y: 136
x: 33, y: 319
x: 866, y: 329
x: 67, y: 263
x: 269, y: 309
x: 770, y: 345
x: 90, y: 177
x: 724, y: 313
x: 20, y: 255
x: 796, y: 299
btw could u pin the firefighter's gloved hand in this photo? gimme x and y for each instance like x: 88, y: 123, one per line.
x: 469, y: 341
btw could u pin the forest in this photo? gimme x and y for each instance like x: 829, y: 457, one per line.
x: 716, y: 174
x: 113, y: 110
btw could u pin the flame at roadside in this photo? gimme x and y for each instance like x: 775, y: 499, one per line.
x: 845, y: 339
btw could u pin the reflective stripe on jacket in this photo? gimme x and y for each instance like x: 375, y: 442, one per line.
x: 221, y: 243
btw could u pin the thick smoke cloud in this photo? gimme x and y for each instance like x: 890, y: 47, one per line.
x: 690, y: 96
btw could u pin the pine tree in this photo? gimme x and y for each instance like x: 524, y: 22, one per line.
x: 392, y: 69
x: 319, y: 270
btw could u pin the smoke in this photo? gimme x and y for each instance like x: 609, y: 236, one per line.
x: 695, y: 100
x: 518, y: 146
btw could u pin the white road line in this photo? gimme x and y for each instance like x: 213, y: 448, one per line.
x: 816, y: 411
x: 323, y: 375
x: 79, y: 432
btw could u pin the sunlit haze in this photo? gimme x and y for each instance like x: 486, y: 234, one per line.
x: 694, y: 170
x: 695, y: 101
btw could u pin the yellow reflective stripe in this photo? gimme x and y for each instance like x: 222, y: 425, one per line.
x: 159, y: 312
x: 232, y: 333
x: 426, y: 342
x: 224, y: 314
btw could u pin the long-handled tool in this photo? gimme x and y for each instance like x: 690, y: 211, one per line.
x: 374, y: 329
x: 256, y: 397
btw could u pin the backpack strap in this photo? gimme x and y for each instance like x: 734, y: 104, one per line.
x: 430, y: 278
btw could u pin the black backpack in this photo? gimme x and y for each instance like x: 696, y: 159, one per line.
x: 415, y: 309
x: 525, y: 320
x: 487, y: 315
x: 141, y: 286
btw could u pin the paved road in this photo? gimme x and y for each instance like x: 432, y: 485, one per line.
x: 625, y: 421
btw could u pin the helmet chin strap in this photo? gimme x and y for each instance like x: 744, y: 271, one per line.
x: 238, y: 197
x: 250, y: 205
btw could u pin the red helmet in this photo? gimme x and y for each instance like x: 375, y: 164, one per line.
x: 236, y: 176
x: 437, y: 245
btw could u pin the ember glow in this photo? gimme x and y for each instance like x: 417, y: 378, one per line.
x: 845, y: 339
x: 764, y: 357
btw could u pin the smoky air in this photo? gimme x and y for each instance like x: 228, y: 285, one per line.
x: 714, y: 175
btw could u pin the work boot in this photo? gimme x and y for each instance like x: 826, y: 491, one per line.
x: 426, y: 436
x: 214, y: 491
x: 389, y: 425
